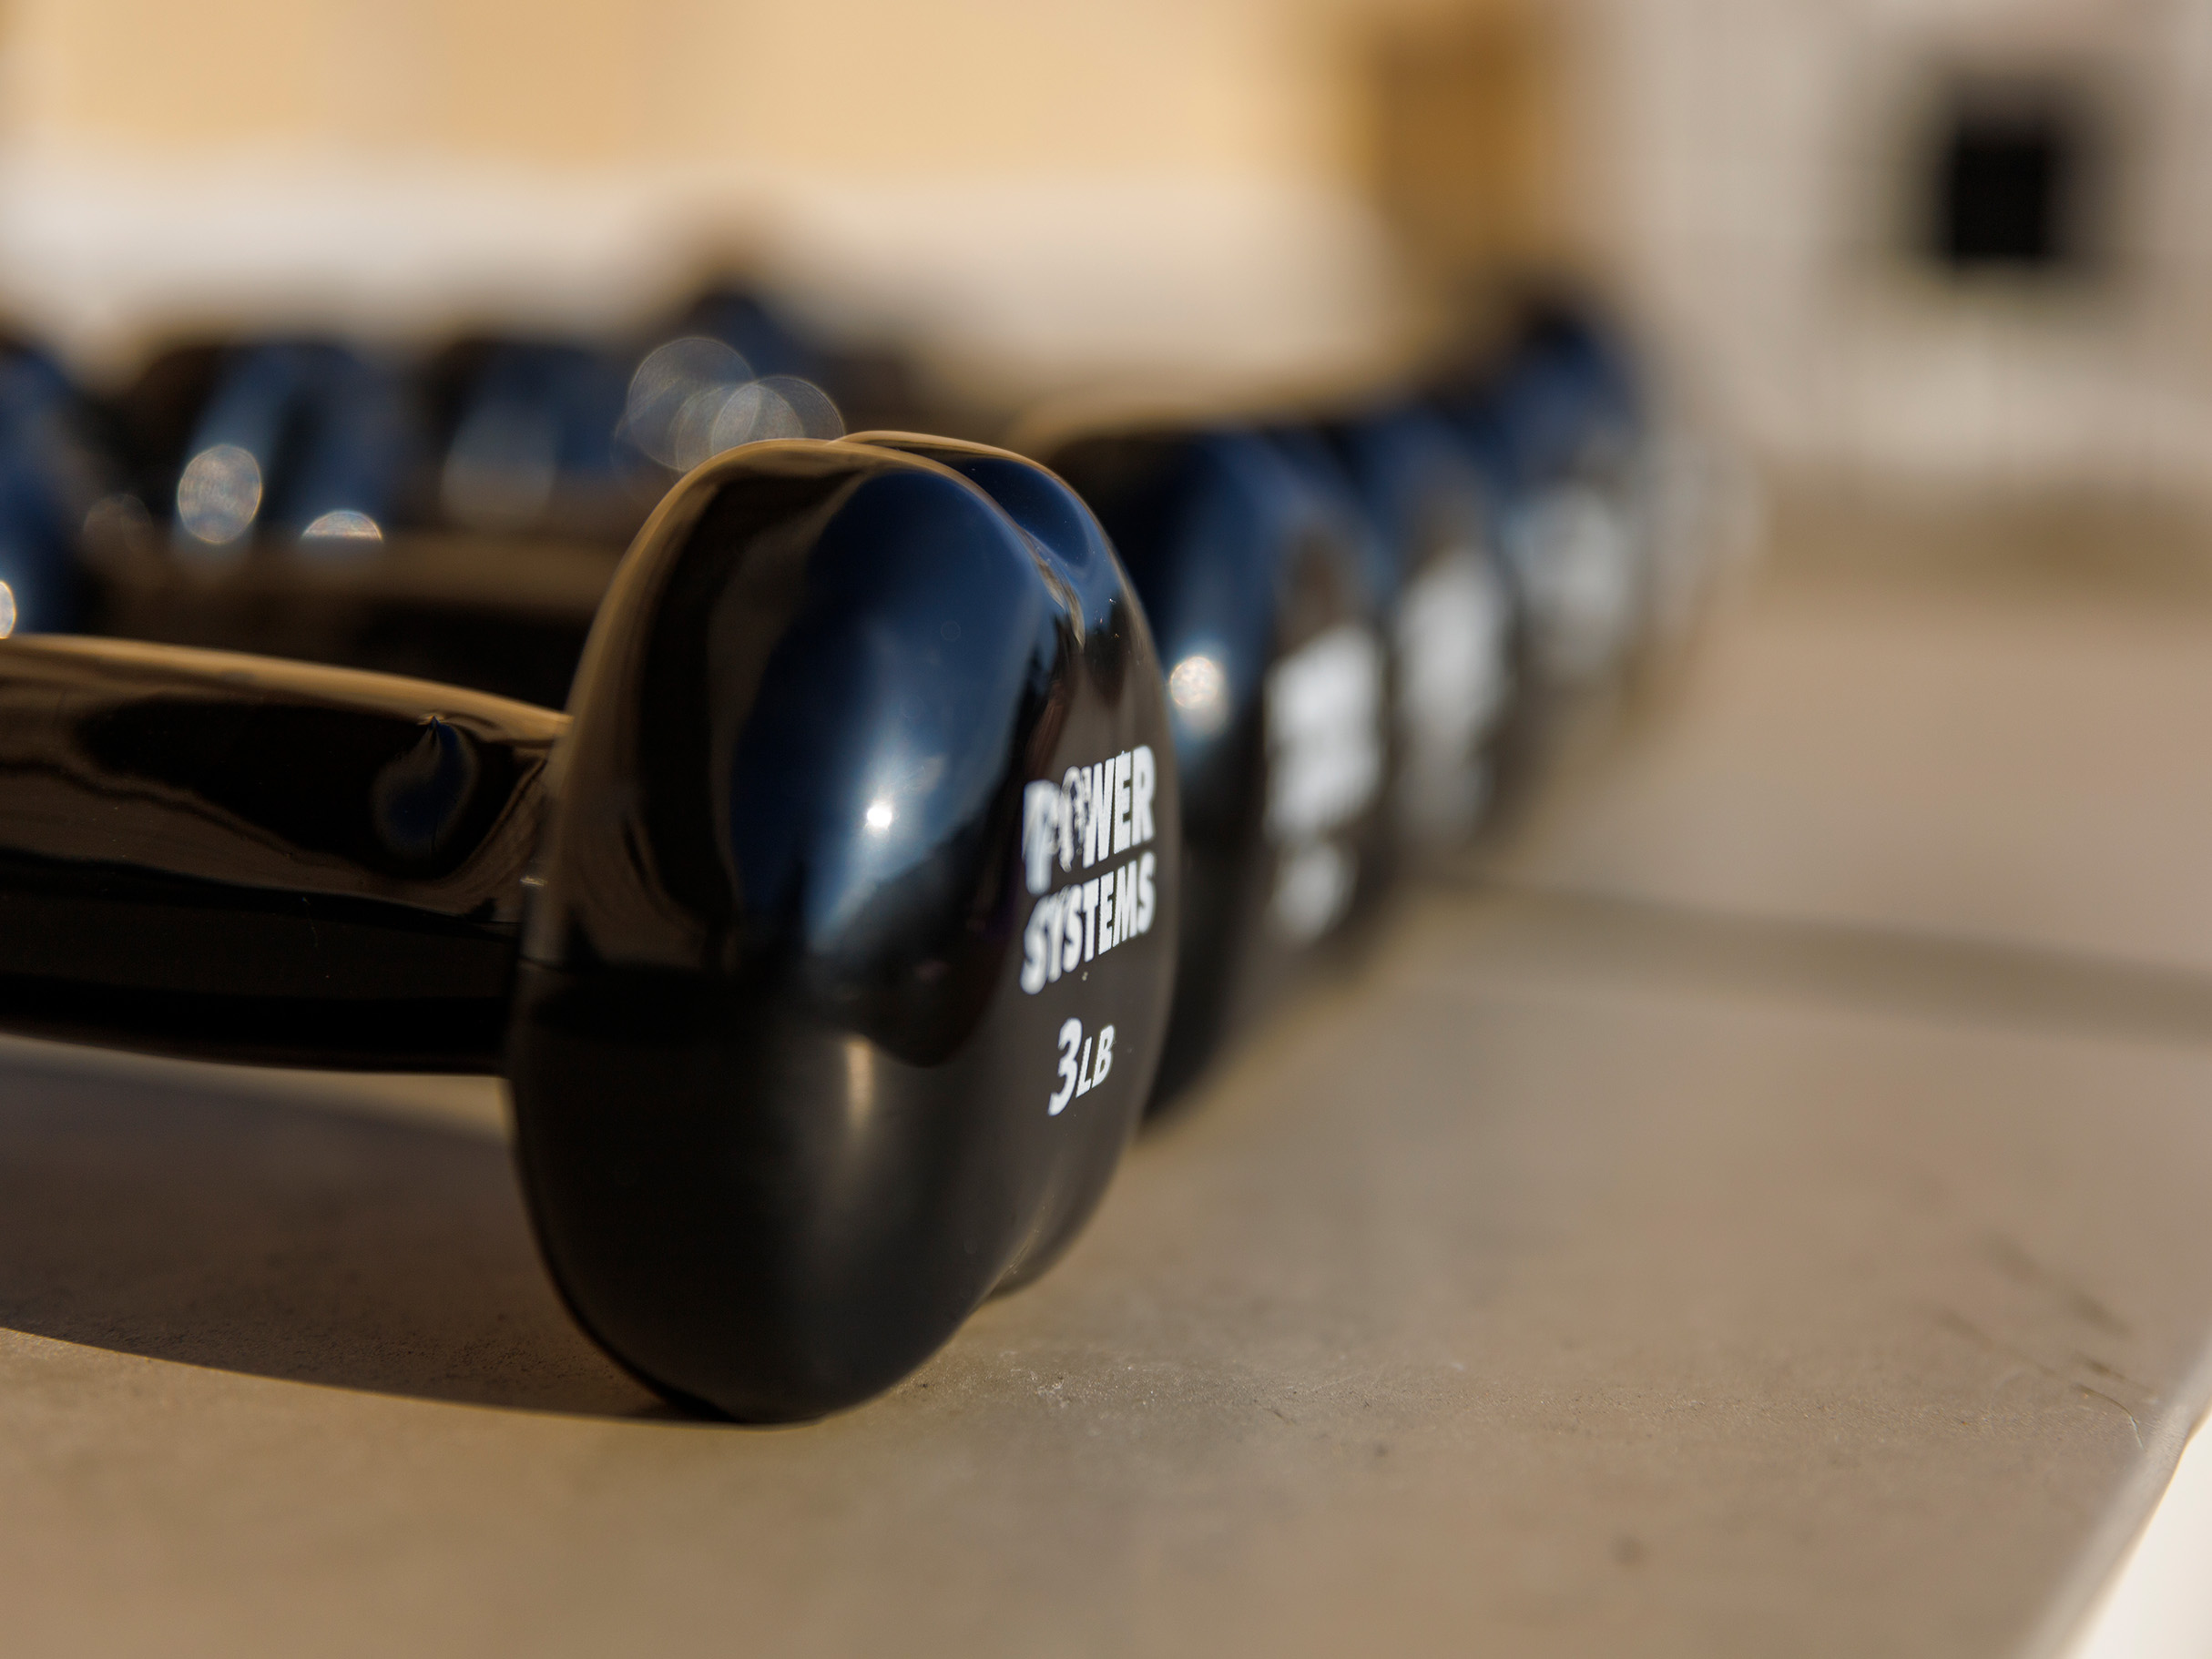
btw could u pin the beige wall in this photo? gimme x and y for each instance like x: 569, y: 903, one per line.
x: 969, y: 85
x: 1043, y: 194
x: 1040, y: 193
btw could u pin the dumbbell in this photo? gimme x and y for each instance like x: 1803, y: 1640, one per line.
x: 524, y: 440
x: 826, y: 942
x: 491, y: 533
x: 53, y: 469
x: 1258, y: 589
x: 1018, y: 486
x: 272, y: 505
x: 1687, y: 507
x: 305, y: 438
x: 520, y: 470
x: 1556, y: 428
x: 1451, y: 615
x: 1335, y: 848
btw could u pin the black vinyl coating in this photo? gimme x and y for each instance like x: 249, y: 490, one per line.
x: 228, y: 856
x: 832, y: 935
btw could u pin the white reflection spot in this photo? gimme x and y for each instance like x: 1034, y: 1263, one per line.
x: 815, y: 411
x: 343, y: 525
x: 878, y: 816
x: 721, y: 418
x: 750, y: 412
x: 218, y: 494
x: 7, y: 610
x: 694, y: 398
x: 669, y: 380
x: 1200, y: 690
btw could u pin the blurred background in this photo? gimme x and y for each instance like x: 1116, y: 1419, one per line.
x: 1939, y: 246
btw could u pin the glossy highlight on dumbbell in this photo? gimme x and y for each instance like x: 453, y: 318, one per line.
x: 744, y: 928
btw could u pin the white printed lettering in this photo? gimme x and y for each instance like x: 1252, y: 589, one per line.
x: 1094, y: 813
x: 1083, y: 1065
x: 1042, y: 806
x: 1036, y: 940
x: 1099, y: 825
x: 1576, y: 559
x: 1070, y: 930
x: 1324, y: 733
x: 1325, y: 748
x: 1121, y: 803
x: 1074, y: 809
x: 1454, y: 677
x: 1071, y: 1038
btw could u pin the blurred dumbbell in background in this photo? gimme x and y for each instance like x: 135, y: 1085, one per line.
x: 1451, y: 613
x: 1260, y: 580
x: 275, y: 504
x: 1617, y: 515
x: 468, y: 509
x: 1618, y: 519
x: 1376, y: 615
x: 55, y: 464
x: 1554, y: 423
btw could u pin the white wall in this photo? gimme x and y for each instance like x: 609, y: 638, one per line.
x: 1745, y: 155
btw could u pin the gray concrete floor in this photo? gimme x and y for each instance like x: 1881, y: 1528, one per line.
x: 1763, y: 1211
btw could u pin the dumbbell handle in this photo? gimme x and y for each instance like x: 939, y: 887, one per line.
x: 239, y: 858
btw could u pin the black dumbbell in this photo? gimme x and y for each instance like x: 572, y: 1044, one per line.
x: 1452, y: 616
x: 1258, y: 589
x: 53, y: 469
x: 827, y: 942
x: 271, y: 497
x: 521, y: 468
x: 1595, y: 413
x: 1555, y: 426
x: 524, y: 441
x: 307, y: 440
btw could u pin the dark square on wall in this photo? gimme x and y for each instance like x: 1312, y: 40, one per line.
x: 2010, y: 170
